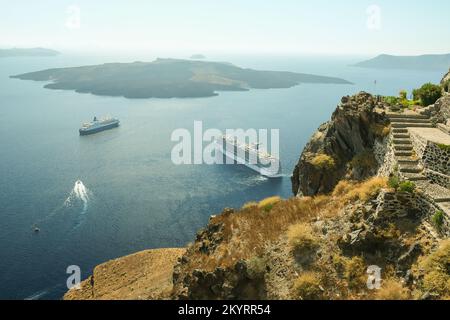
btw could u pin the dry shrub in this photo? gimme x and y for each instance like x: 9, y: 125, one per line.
x: 323, y: 161
x: 256, y: 267
x: 250, y: 205
x: 363, y: 191
x: 307, y: 287
x: 342, y: 188
x: 380, y: 130
x: 268, y: 203
x: 437, y: 270
x: 355, y: 272
x: 392, y: 290
x: 301, y: 237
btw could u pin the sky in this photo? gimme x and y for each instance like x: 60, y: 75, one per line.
x: 229, y: 26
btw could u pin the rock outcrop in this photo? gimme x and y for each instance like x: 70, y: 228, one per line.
x: 141, y: 276
x: 349, y: 139
x: 446, y: 81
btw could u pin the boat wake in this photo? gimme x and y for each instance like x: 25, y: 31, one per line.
x: 76, y: 205
x: 78, y: 193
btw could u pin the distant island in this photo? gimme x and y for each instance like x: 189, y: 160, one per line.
x: 168, y: 78
x: 198, y: 57
x: 28, y: 52
x: 423, y: 62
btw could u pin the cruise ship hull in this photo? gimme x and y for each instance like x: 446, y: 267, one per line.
x: 98, y: 129
x: 262, y: 171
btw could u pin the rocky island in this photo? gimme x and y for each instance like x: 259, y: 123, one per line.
x: 423, y: 62
x: 168, y: 78
x: 372, y: 195
x: 28, y: 52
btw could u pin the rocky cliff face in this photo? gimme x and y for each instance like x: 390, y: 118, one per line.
x: 445, y: 80
x: 343, y: 147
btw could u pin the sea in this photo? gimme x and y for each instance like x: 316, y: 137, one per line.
x: 96, y: 198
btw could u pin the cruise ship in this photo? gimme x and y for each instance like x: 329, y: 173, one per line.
x: 98, y: 125
x: 250, y: 155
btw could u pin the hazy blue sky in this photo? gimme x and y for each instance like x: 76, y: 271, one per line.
x: 244, y: 26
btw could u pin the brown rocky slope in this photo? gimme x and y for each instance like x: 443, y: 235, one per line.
x: 140, y: 276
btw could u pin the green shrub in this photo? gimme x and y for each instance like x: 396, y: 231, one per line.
x: 403, y: 94
x: 428, y: 94
x: 407, y: 186
x: 444, y: 147
x: 438, y: 219
x: 391, y: 100
x: 394, y: 182
x: 323, y: 161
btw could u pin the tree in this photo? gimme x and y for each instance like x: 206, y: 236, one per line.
x: 428, y: 94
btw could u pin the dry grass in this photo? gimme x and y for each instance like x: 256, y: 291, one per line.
x: 246, y: 233
x: 308, y: 287
x: 348, y: 191
x: 436, y: 270
x: 250, y: 205
x: 392, y: 290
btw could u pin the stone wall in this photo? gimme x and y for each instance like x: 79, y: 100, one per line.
x: 391, y: 205
x: 434, y: 159
x: 438, y: 178
x: 385, y: 156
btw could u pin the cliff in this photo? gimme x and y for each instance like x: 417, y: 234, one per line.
x: 344, y: 147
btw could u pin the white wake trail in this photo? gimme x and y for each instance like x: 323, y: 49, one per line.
x: 80, y: 193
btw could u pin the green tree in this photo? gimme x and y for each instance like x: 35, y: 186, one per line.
x: 428, y: 94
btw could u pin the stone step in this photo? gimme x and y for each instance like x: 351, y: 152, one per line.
x: 399, y: 130
x: 403, y: 147
x: 402, y: 141
x: 407, y: 160
x: 402, y: 136
x: 411, y: 120
x: 410, y: 169
x: 414, y: 176
x: 403, y: 153
x: 403, y: 116
x: 411, y: 125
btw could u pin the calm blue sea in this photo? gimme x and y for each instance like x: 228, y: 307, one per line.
x: 132, y: 197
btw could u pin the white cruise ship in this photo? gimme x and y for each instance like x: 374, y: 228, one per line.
x: 250, y: 155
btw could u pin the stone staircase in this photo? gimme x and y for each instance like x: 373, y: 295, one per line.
x: 404, y: 152
x: 409, y: 166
